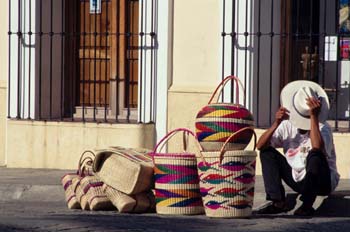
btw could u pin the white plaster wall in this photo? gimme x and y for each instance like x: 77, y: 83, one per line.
x: 59, y: 144
x: 196, y: 44
x: 3, y: 114
x: 3, y: 78
x: 196, y: 60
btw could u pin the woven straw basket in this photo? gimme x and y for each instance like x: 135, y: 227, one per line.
x: 71, y: 181
x: 67, y: 182
x: 139, y: 203
x: 83, y: 189
x: 81, y: 197
x: 176, y: 179
x: 127, y: 170
x: 96, y: 198
x: 216, y: 121
x: 227, y: 180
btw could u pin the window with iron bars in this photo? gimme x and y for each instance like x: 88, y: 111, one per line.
x: 82, y: 60
x: 269, y: 43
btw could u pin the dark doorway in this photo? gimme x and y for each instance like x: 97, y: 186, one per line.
x: 300, y: 40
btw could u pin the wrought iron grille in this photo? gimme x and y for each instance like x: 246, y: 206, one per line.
x: 82, y: 60
x: 268, y: 43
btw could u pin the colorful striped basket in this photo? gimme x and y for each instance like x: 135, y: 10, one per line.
x: 216, y: 121
x: 176, y: 179
x: 227, y: 180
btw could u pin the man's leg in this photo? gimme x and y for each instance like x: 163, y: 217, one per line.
x: 317, y: 180
x: 271, y: 174
x: 275, y: 169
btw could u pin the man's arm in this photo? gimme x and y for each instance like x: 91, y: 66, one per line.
x: 315, y: 134
x: 265, y: 138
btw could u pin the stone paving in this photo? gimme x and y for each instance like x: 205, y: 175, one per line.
x: 32, y: 200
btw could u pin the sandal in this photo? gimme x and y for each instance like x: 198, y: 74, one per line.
x: 272, y: 208
x: 304, y: 211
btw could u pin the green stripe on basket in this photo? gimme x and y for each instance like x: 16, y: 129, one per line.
x: 214, y: 126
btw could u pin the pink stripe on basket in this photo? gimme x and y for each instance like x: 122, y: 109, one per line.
x: 135, y: 157
x: 176, y: 179
x: 67, y: 184
x: 173, y: 169
x: 92, y: 185
x: 70, y: 198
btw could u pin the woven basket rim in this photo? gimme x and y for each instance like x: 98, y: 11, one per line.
x: 230, y: 153
x: 225, y: 103
x: 174, y: 155
x: 186, y: 210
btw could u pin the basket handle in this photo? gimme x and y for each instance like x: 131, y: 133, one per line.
x: 85, y: 160
x: 83, y: 171
x: 222, y: 150
x: 167, y: 137
x: 221, y: 86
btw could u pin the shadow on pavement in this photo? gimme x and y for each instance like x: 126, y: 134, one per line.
x: 6, y: 228
x: 336, y: 205
x: 153, y: 222
x: 140, y: 223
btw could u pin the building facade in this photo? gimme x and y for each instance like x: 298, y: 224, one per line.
x: 88, y: 73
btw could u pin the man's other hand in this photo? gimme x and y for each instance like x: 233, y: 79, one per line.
x: 281, y: 114
x: 314, y: 106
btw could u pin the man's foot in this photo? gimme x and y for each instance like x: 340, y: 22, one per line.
x: 304, y: 211
x: 273, y: 208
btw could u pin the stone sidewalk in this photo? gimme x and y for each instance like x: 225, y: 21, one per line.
x: 33, y: 200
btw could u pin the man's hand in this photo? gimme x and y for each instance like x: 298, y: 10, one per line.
x: 314, y: 105
x: 264, y: 140
x: 281, y: 114
x: 315, y: 134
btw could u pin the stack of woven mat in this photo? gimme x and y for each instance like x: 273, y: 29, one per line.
x: 111, y: 178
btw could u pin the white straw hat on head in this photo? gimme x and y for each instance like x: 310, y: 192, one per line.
x: 293, y: 98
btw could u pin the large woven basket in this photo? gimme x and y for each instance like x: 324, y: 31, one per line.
x: 176, y: 179
x: 227, y: 180
x: 216, y: 121
x: 127, y: 170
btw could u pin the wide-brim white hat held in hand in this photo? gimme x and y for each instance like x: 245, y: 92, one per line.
x: 293, y: 98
